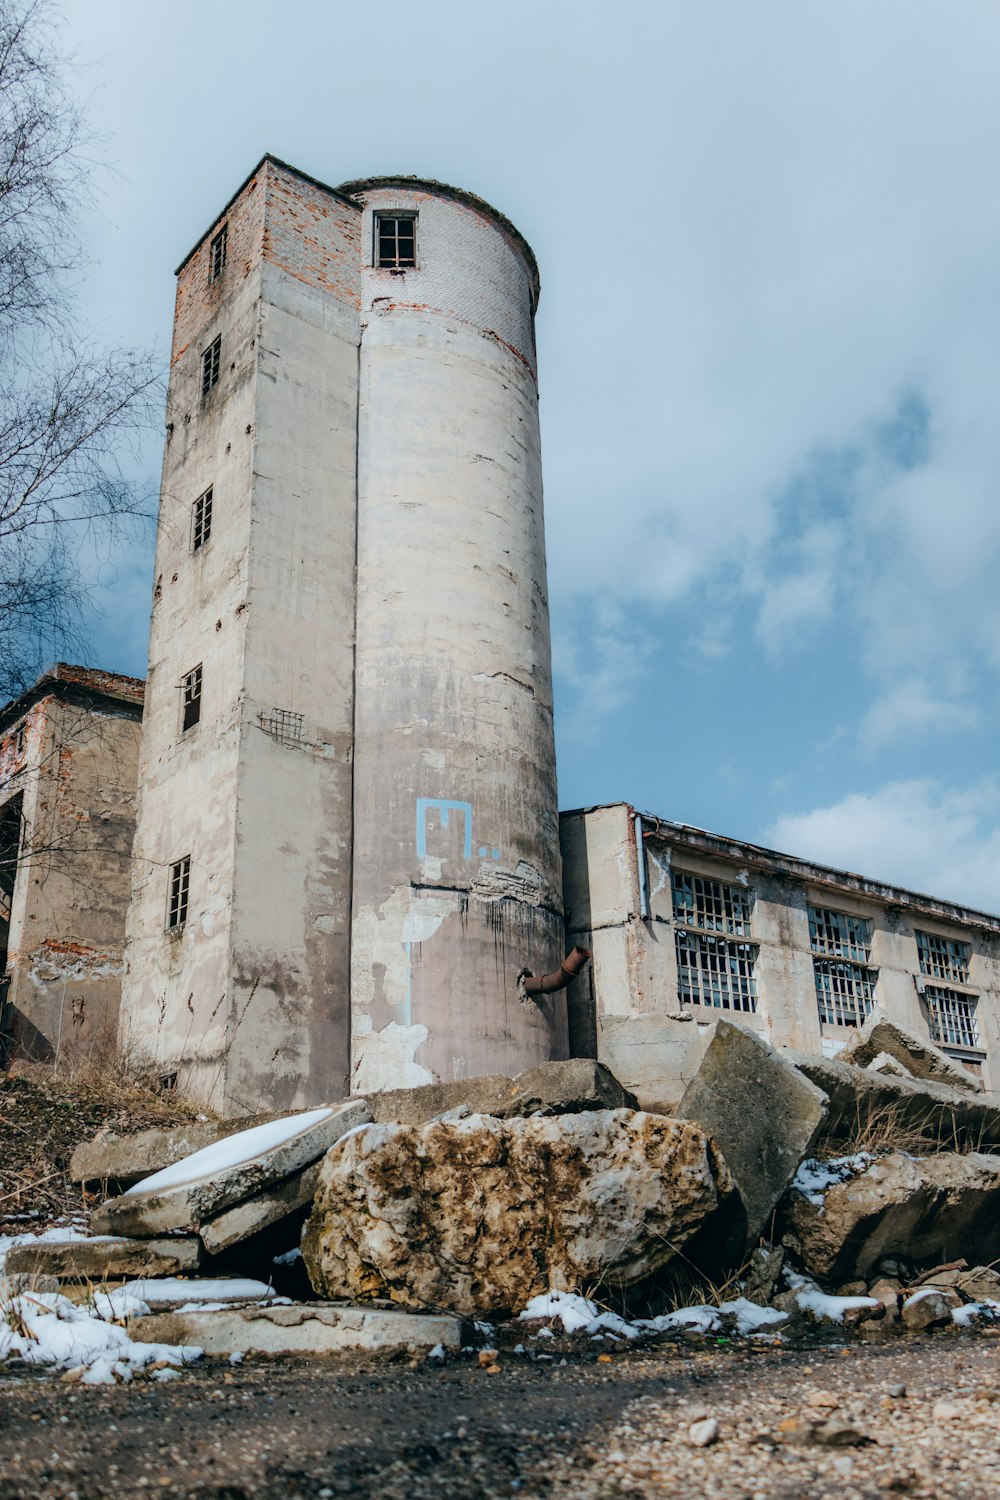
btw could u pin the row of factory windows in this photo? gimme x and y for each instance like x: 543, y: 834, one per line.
x: 716, y: 964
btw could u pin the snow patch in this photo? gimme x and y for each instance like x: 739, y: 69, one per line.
x: 814, y: 1177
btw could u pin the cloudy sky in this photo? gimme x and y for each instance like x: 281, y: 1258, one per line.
x: 769, y: 341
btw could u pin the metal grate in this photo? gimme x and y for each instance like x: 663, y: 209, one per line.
x: 943, y: 958
x: 191, y: 699
x: 395, y: 241
x: 952, y: 1017
x: 839, y: 935
x: 220, y: 252
x: 717, y: 972
x: 284, y: 725
x: 845, y: 992
x: 177, y: 899
x: 202, y: 512
x: 211, y: 361
x: 711, y: 905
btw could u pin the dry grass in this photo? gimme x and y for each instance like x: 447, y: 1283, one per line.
x: 44, y: 1118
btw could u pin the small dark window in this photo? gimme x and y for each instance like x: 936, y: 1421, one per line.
x: 19, y: 740
x: 191, y: 700
x: 395, y: 241
x: 177, y: 896
x: 210, y: 362
x: 220, y: 252
x: 202, y: 511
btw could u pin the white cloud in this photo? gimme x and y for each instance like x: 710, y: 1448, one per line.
x: 908, y: 711
x: 918, y: 834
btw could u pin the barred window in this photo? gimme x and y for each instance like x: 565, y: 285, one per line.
x: 943, y: 958
x: 202, y: 515
x: 177, y: 893
x: 952, y: 1016
x: 191, y: 700
x: 211, y: 362
x: 839, y: 935
x: 714, y: 971
x: 395, y: 241
x: 711, y: 905
x: 845, y: 992
x: 220, y: 252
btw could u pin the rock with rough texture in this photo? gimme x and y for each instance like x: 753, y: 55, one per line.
x: 916, y: 1054
x: 927, y: 1208
x: 105, y: 1259
x: 189, y: 1205
x: 761, y: 1112
x: 260, y: 1212
x: 127, y: 1159
x: 927, y: 1311
x: 478, y: 1214
x: 763, y: 1274
x: 556, y: 1088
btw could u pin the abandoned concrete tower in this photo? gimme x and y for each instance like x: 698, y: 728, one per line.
x: 347, y: 833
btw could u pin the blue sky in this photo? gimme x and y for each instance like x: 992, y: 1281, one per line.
x: 769, y: 343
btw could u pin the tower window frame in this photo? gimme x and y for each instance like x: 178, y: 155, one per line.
x: 191, y: 699
x: 211, y: 364
x: 201, y: 520
x: 393, y: 248
x: 178, y: 894
x: 219, y: 253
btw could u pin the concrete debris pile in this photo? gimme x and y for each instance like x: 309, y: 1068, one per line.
x: 414, y: 1212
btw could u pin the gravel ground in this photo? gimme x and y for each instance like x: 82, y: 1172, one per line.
x: 587, y: 1427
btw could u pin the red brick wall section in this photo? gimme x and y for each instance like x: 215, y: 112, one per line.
x: 198, y: 296
x: 313, y: 235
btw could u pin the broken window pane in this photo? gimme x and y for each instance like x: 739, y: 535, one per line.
x: 202, y: 520
x: 191, y: 700
x: 709, y: 904
x: 716, y: 972
x: 845, y: 991
x: 220, y: 252
x: 210, y: 363
x: 952, y: 1017
x: 943, y: 958
x: 177, y: 897
x: 839, y: 934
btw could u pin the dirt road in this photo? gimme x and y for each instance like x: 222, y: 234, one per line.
x: 535, y: 1428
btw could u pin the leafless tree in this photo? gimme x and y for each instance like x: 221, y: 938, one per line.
x: 69, y: 410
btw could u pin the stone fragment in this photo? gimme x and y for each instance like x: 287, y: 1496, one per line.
x: 761, y: 1112
x: 481, y: 1214
x: 982, y: 1283
x: 704, y: 1433
x: 766, y: 1263
x: 926, y: 1311
x: 853, y: 1289
x: 303, y: 1328
x: 104, y: 1259
x: 656, y: 1057
x: 260, y: 1212
x: 887, y: 1292
x: 551, y: 1088
x: 916, y: 1054
x: 946, y: 1411
x: 923, y: 1207
x: 190, y: 1204
x: 127, y: 1159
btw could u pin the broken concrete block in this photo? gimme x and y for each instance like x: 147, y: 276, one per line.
x: 105, y: 1259
x: 260, y: 1212
x: 929, y: 1208
x: 305, y: 1328
x: 761, y: 1112
x: 480, y: 1214
x: 656, y: 1057
x: 127, y: 1159
x: 916, y: 1054
x: 551, y: 1088
x: 186, y: 1195
x: 876, y: 1104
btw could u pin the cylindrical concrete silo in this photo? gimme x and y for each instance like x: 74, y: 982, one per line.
x: 456, y: 883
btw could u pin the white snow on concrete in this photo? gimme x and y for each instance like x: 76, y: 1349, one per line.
x: 45, y: 1328
x: 233, y: 1151
x: 814, y: 1177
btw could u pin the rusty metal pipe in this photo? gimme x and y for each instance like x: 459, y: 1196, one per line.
x: 544, y: 984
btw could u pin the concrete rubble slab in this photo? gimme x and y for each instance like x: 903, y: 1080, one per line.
x: 551, y: 1088
x: 304, y: 1328
x: 761, y: 1112
x: 861, y: 1100
x: 261, y: 1211
x: 916, y: 1054
x: 103, y: 1259
x: 655, y: 1056
x: 189, y: 1204
x: 127, y: 1159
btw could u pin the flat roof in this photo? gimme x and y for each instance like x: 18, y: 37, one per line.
x: 719, y: 845
x: 91, y: 681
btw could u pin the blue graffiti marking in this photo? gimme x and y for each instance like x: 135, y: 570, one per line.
x: 444, y: 808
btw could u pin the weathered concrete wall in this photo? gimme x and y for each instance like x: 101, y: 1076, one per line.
x: 457, y: 870
x: 76, y: 772
x: 627, y: 1011
x: 248, y: 1001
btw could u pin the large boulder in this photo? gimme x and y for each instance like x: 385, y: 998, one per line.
x: 763, y: 1114
x: 920, y: 1209
x: 915, y: 1054
x: 479, y: 1214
